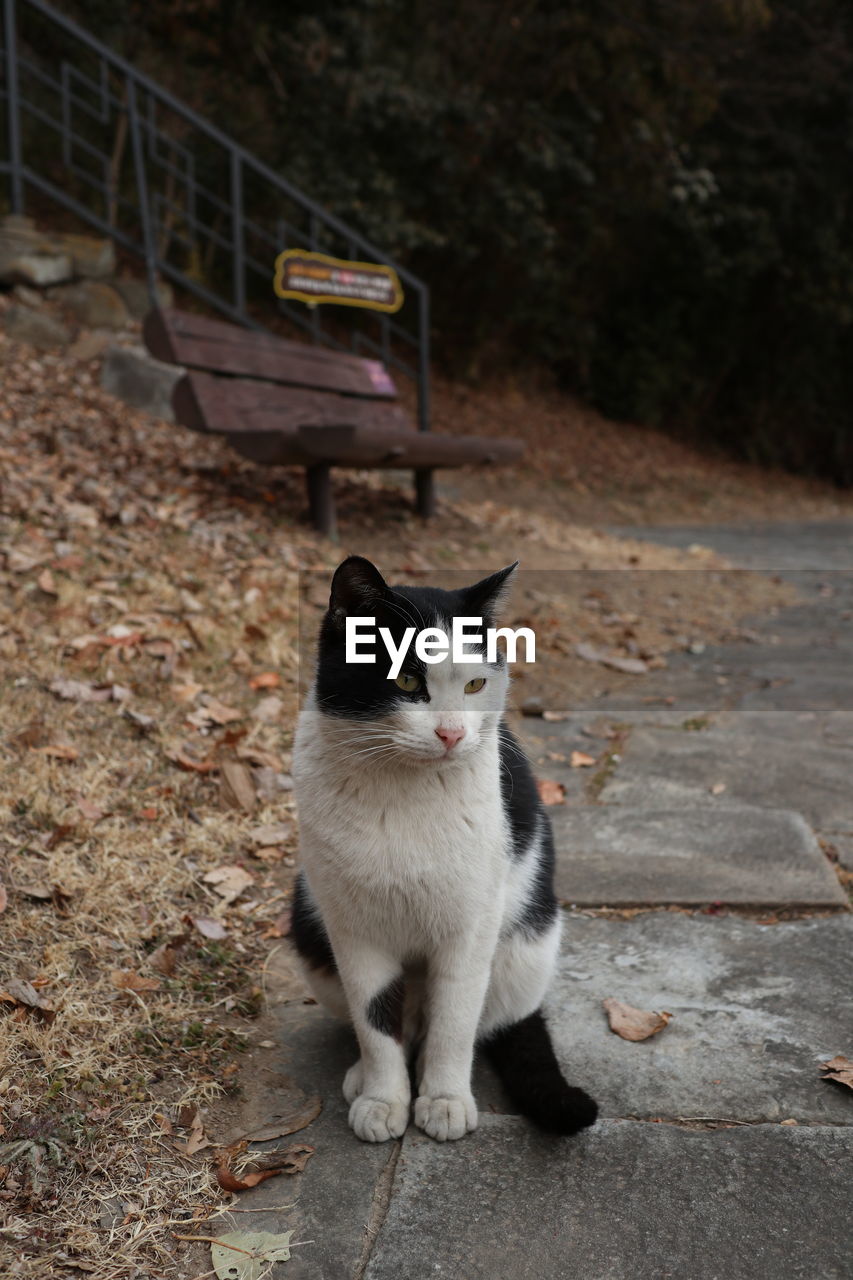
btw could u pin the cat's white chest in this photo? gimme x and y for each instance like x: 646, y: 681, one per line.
x: 417, y: 841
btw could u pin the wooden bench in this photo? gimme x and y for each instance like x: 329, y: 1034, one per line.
x: 289, y: 403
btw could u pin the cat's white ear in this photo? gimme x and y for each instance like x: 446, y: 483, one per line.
x: 485, y: 597
x: 358, y: 588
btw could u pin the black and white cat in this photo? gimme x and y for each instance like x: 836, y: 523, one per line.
x: 424, y: 911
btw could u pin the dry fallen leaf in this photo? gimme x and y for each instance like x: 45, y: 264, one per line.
x: 79, y: 691
x: 46, y: 583
x: 282, y: 1160
x: 551, y: 792
x: 58, y: 834
x: 631, y: 666
x: 268, y: 853
x: 555, y: 716
x: 207, y: 927
x: 196, y: 1140
x: 229, y: 881
x: 236, y: 787
x: 268, y: 710
x: 289, y: 1160
x: 839, y: 1069
x: 58, y: 751
x: 717, y: 789
x: 127, y: 980
x: 186, y: 692
x: 139, y: 721
x: 165, y: 957
x: 634, y: 1024
x: 257, y: 756
x: 228, y: 1182
x: 580, y: 760
x: 266, y: 680
x: 185, y: 758
x: 246, y: 1255
x: 298, y: 1116
x: 280, y: 927
x: 213, y: 709
x: 19, y: 992
x: 271, y: 834
x: 90, y: 811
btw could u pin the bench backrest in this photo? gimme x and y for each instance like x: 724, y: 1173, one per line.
x: 178, y: 337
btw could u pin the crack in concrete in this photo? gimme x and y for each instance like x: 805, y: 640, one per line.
x: 378, y: 1209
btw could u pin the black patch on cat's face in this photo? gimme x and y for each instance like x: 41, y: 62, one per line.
x: 362, y: 691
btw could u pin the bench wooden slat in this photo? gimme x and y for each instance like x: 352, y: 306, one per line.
x: 374, y: 449
x: 378, y: 447
x: 233, y: 405
x: 195, y: 342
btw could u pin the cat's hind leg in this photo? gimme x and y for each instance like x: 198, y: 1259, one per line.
x: 515, y: 1037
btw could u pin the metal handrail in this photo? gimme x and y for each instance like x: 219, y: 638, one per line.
x: 128, y: 105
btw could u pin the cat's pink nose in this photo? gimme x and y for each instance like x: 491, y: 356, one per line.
x: 450, y: 737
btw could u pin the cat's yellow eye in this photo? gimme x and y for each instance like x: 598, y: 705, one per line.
x: 409, y: 684
x: 474, y: 686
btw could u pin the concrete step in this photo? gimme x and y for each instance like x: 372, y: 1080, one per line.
x: 622, y: 1200
x: 704, y: 852
x: 756, y: 1008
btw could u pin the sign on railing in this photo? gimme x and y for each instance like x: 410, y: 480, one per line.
x: 315, y: 277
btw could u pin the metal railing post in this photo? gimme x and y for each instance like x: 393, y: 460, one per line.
x: 142, y: 193
x: 423, y: 359
x: 13, y: 116
x: 238, y: 274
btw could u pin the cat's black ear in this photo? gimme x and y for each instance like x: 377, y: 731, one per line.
x: 484, y: 597
x: 358, y: 589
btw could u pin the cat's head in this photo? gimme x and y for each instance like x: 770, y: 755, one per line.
x: 431, y: 712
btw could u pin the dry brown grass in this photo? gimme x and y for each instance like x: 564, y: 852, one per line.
x: 133, y: 554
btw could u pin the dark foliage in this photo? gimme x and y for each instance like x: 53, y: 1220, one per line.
x: 652, y: 197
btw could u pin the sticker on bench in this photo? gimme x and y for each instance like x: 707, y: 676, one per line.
x: 314, y: 277
x: 380, y: 378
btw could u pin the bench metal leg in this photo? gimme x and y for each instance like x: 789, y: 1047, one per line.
x: 425, y: 493
x: 321, y: 500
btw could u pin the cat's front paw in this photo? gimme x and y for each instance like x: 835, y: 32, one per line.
x: 446, y: 1119
x: 354, y: 1081
x: 378, y: 1120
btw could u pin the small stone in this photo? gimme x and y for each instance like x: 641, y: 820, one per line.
x: 141, y: 381
x: 532, y: 707
x: 94, y: 303
x: 137, y: 299
x: 89, y: 345
x: 41, y: 269
x: 92, y: 257
x: 29, y: 297
x: 37, y: 328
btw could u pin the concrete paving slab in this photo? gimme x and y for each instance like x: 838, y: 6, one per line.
x: 618, y: 855
x: 330, y: 1203
x: 798, y: 546
x: 760, y: 762
x: 622, y: 1200
x: 756, y: 1009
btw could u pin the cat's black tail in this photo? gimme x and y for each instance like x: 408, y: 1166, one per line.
x: 524, y: 1058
